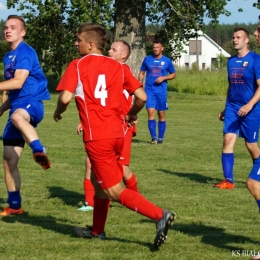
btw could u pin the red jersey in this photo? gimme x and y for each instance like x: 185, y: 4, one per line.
x: 127, y: 104
x: 98, y: 82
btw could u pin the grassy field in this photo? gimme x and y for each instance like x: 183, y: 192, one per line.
x: 178, y: 175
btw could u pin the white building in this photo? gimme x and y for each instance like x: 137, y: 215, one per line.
x: 208, y: 52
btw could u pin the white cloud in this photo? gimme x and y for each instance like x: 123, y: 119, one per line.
x: 2, y: 7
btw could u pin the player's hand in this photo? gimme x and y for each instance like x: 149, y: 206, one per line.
x: 159, y: 80
x: 57, y: 117
x: 244, y: 110
x: 221, y: 115
x: 131, y: 119
x: 79, y: 129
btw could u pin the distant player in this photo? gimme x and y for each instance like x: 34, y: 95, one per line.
x: 159, y: 69
x: 242, y: 111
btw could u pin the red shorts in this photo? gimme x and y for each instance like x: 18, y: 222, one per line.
x: 104, y: 158
x: 125, y: 154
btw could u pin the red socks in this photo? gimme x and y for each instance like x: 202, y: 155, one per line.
x: 100, y: 215
x: 136, y: 202
x: 131, y: 183
x: 89, y: 192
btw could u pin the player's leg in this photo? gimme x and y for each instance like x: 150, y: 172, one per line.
x: 88, y: 188
x: 25, y: 119
x: 129, y: 198
x: 161, y: 107
x: 230, y: 130
x: 129, y: 178
x: 150, y: 107
x: 11, y: 157
x: 250, y: 131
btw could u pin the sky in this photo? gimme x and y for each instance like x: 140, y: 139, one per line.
x: 249, y: 14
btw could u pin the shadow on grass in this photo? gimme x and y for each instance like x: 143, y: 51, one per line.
x: 214, y: 236
x: 46, y: 222
x: 70, y: 198
x: 138, y: 141
x: 194, y: 177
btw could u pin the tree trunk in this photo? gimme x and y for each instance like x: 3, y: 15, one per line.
x: 130, y: 27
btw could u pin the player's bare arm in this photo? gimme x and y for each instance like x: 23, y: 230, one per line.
x: 244, y: 110
x: 163, y: 78
x: 141, y: 76
x: 63, y: 101
x: 16, y: 82
x: 139, y: 102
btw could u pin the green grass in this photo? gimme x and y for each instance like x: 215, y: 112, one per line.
x: 177, y: 175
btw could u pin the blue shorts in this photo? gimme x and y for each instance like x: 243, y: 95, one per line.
x: 246, y: 126
x: 11, y: 134
x: 156, y: 100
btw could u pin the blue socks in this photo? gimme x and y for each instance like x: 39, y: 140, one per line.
x: 152, y: 128
x: 228, y: 161
x: 37, y: 146
x: 14, y: 199
x: 161, y: 129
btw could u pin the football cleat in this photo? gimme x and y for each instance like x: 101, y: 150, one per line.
x: 9, y: 211
x: 42, y: 159
x: 162, y: 227
x: 225, y: 184
x: 159, y: 141
x: 85, y: 207
x: 153, y: 141
x: 87, y: 233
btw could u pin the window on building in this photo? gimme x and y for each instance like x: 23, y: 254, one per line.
x: 203, y: 66
x: 194, y: 47
x: 187, y: 65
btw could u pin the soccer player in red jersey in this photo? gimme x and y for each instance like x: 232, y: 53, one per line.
x: 119, y: 51
x: 98, y: 82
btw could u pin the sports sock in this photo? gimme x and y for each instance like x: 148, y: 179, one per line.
x: 256, y: 166
x: 228, y: 161
x: 14, y: 199
x: 37, y: 146
x: 161, y: 129
x: 131, y: 183
x: 152, y: 128
x: 136, y: 202
x: 89, y: 192
x: 258, y: 203
x: 100, y: 215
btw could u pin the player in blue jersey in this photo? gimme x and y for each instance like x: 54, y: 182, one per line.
x: 159, y: 69
x: 27, y: 87
x: 242, y: 110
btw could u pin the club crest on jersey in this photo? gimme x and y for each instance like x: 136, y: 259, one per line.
x: 162, y: 63
x: 245, y: 63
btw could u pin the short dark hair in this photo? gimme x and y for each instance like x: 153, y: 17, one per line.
x: 156, y: 41
x: 95, y: 33
x: 14, y: 16
x: 242, y: 29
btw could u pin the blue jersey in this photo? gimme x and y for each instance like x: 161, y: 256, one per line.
x: 242, y: 76
x: 35, y: 86
x: 156, y: 68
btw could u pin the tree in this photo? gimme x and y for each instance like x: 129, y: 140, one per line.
x: 51, y: 24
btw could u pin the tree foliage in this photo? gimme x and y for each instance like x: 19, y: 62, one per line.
x: 51, y: 27
x: 52, y: 23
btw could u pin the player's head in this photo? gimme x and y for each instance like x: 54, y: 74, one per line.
x: 15, y: 29
x: 92, y: 38
x: 257, y: 33
x: 157, y: 48
x: 119, y: 51
x: 240, y: 38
